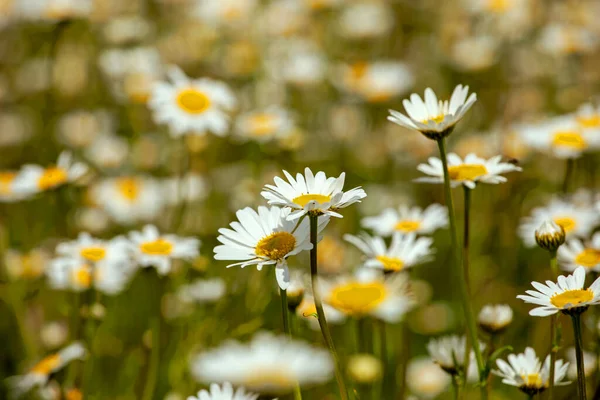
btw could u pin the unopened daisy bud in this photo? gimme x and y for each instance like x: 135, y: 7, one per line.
x: 550, y: 235
x: 364, y: 368
x: 495, y: 318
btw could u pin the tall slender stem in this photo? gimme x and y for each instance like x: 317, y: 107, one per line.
x: 465, y: 255
x: 463, y: 289
x: 568, y: 174
x: 288, y: 331
x: 553, y: 328
x: 456, y: 386
x: 314, y: 223
x: 579, y: 356
x: 152, y: 376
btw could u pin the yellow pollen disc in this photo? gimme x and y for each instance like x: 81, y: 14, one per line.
x: 6, y: 178
x: 532, y: 380
x: 129, y: 188
x: 275, y: 246
x: 567, y: 223
x: 499, y: 6
x: 391, y: 263
x: 572, y: 297
x: 435, y: 120
x: 407, y: 226
x: 269, y: 381
x: 47, y: 365
x: 83, y: 277
x: 93, y: 254
x: 52, y: 177
x: 588, y: 258
x: 262, y: 124
x: 74, y: 394
x: 572, y: 140
x: 467, y: 172
x: 305, y: 198
x: 357, y: 298
x: 590, y: 121
x: 159, y: 247
x: 193, y: 101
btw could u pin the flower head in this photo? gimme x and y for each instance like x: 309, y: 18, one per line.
x: 495, y: 318
x: 34, y: 178
x: 408, y: 220
x: 575, y: 253
x: 223, y: 392
x: 449, y: 353
x: 550, y: 235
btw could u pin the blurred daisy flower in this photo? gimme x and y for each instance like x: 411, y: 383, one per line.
x: 365, y: 20
x: 405, y: 251
x: 35, y: 179
x: 494, y: 318
x: 91, y: 250
x: 526, y: 372
x: 265, y: 237
x: 434, y: 118
x: 475, y: 53
x: 264, y: 125
x: 425, y: 379
x: 9, y: 192
x: 223, y: 392
x: 588, y: 117
x: 312, y: 194
x: 269, y: 364
x: 467, y: 172
x: 449, y: 353
x: 568, y: 296
x: 153, y: 249
x: 561, y: 39
x: 231, y: 13
x: 202, y: 291
x: 307, y: 310
x: 574, y: 253
x: 55, y: 10
x: 187, y: 189
x: 408, y: 220
x: 30, y: 265
x: 192, y: 106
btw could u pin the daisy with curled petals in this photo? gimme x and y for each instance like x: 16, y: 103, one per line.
x: 35, y: 178
x: 192, y: 105
x: 467, y: 172
x: 266, y: 237
x: 223, y: 392
x: 526, y: 372
x: 408, y: 220
x: 312, y: 194
x: 576, y: 253
x: 151, y: 248
x: 434, y: 118
x: 405, y: 250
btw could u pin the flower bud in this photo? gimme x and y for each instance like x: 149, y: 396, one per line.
x: 550, y: 236
x: 495, y: 318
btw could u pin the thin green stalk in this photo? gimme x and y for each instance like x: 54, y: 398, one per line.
x: 456, y: 387
x: 154, y: 360
x: 462, y: 285
x: 288, y: 331
x: 581, y: 388
x: 568, y: 174
x: 553, y: 264
x: 314, y: 223
x: 466, y: 273
x: 553, y: 328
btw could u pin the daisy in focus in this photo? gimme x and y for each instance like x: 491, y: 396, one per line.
x: 576, y: 253
x: 312, y: 194
x: 269, y: 364
x: 494, y: 318
x: 223, y: 392
x: 405, y: 251
x: 192, y: 105
x: 264, y: 125
x: 150, y: 248
x: 408, y: 220
x: 526, y: 372
x: 449, y: 353
x: 467, y: 172
x: 567, y: 296
x: 34, y: 178
x: 266, y: 237
x: 434, y: 118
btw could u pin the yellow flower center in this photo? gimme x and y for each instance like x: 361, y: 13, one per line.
x: 572, y: 298
x: 275, y: 246
x: 269, y: 381
x: 262, y: 124
x: 407, y: 226
x: 129, y: 188
x: 467, y: 172
x: 193, y: 101
x: 499, y: 6
x: 74, y: 394
x: 391, y: 263
x: 532, y: 380
x: 589, y: 121
x: 47, y: 365
x: 358, y: 298
x: 571, y: 140
x: 6, y: 179
x: 305, y: 198
x: 82, y: 276
x: 159, y: 247
x: 567, y: 223
x: 93, y: 254
x: 588, y: 258
x: 31, y: 266
x: 52, y: 177
x: 436, y: 120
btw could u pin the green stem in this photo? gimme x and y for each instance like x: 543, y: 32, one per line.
x: 553, y: 350
x: 568, y: 173
x: 154, y: 360
x: 463, y: 289
x: 288, y: 331
x: 456, y: 386
x: 576, y: 318
x: 314, y: 223
x: 466, y: 274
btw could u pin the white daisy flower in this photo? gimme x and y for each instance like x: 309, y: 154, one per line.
x: 494, y: 318
x: 312, y: 194
x: 405, y: 251
x: 202, y: 291
x: 425, y: 379
x: 223, y: 392
x: 365, y: 20
x: 575, y: 253
x: 468, y: 172
x: 153, y: 249
x: 561, y: 39
x: 266, y: 237
x: 55, y: 10
x: 192, y: 105
x: 232, y: 13
x: 575, y: 220
x: 307, y: 310
x: 369, y: 293
x: 91, y: 250
x: 35, y: 178
x: 588, y: 117
x: 526, y: 372
x: 449, y: 353
x: 567, y: 296
x: 408, y: 220
x: 268, y: 364
x: 434, y: 119
x: 590, y: 363
x: 264, y: 125
x: 9, y: 192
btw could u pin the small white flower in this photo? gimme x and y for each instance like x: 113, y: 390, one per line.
x: 574, y: 254
x: 425, y: 379
x: 468, y: 172
x: 449, y: 353
x: 264, y: 125
x: 561, y: 39
x: 202, y: 291
x: 189, y: 188
x: 34, y: 178
x: 495, y: 318
x: 588, y: 117
x: 229, y: 13
x: 408, y: 220
x: 223, y: 392
x: 365, y: 20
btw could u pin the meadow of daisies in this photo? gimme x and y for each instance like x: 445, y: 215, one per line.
x: 299, y: 199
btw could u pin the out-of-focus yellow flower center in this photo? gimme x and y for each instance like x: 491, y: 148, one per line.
x: 276, y: 246
x: 305, y: 198
x: 588, y: 258
x: 567, y: 223
x: 391, y: 263
x: 308, y: 309
x: 262, y: 124
x: 158, y: 247
x: 74, y: 394
x: 532, y: 380
x: 93, y: 254
x: 269, y: 381
x: 47, y: 365
x: 232, y: 13
x: 499, y: 6
x: 137, y: 86
x: 407, y: 226
x: 572, y: 297
x: 52, y: 177
x: 6, y: 179
x: 82, y: 276
x: 589, y: 121
x: 572, y: 140
x: 31, y: 266
x: 193, y: 101
x: 467, y: 172
x: 357, y: 298
x: 435, y: 120
x: 129, y: 188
